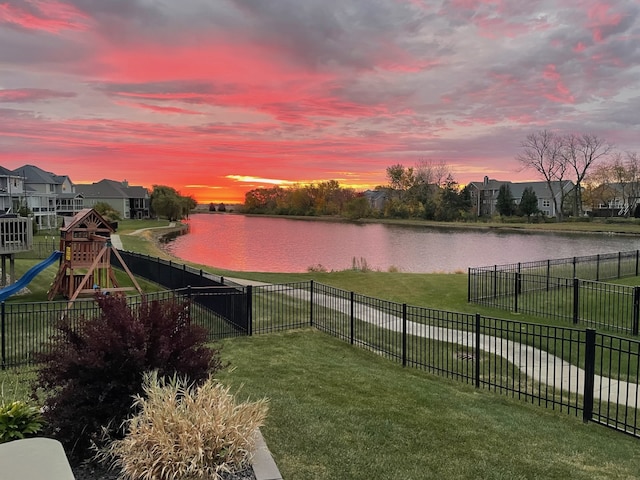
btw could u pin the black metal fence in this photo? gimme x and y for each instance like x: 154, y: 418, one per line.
x: 580, y: 372
x: 524, y: 289
x: 212, y: 292
x: 590, y: 267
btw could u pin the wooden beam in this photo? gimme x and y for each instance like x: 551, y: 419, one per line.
x: 126, y: 269
x: 106, y: 290
x: 87, y: 275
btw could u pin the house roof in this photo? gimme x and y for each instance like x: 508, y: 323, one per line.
x: 33, y: 174
x: 70, y: 195
x: 5, y: 172
x: 541, y: 189
x: 106, y: 188
x: 489, y: 184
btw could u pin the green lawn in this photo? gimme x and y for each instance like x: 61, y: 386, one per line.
x: 339, y: 412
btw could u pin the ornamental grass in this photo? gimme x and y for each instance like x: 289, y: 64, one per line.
x: 186, y: 432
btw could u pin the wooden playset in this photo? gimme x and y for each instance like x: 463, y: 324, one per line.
x: 85, y: 265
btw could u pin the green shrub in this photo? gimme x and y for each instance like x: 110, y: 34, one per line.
x: 186, y: 431
x: 91, y: 370
x: 18, y: 420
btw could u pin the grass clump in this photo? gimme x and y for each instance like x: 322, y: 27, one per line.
x: 186, y: 431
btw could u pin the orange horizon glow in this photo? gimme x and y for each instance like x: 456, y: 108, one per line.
x: 217, y: 98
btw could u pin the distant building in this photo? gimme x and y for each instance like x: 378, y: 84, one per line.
x: 376, y: 198
x: 46, y: 195
x: 484, y: 195
x: 128, y: 201
x: 11, y: 191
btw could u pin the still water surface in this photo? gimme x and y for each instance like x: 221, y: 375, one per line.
x: 261, y: 244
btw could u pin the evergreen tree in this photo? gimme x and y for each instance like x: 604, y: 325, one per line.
x: 529, y: 202
x: 505, y: 204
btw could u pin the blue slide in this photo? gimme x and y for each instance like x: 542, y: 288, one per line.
x: 27, y: 277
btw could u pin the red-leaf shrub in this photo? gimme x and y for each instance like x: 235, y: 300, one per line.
x: 93, y: 369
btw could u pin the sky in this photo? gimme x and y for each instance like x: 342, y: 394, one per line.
x: 217, y: 97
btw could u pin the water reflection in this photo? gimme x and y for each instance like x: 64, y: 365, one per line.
x: 237, y: 242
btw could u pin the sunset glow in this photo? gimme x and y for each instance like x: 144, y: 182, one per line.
x: 216, y: 98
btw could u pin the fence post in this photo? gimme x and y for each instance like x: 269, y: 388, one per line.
x: 495, y: 281
x: 619, y: 263
x: 636, y: 310
x: 311, y: 303
x: 477, y: 347
x: 469, y: 285
x: 3, y: 334
x: 576, y: 301
x: 637, y: 261
x: 352, y: 315
x: 589, y: 373
x: 548, y: 273
x: 516, y: 290
x: 404, y: 334
x: 574, y: 267
x: 249, y: 292
x: 597, y: 267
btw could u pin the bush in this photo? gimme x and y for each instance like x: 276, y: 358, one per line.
x: 91, y: 370
x: 183, y: 431
x: 18, y: 420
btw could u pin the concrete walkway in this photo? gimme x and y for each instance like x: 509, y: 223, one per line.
x: 116, y: 241
x: 537, y: 364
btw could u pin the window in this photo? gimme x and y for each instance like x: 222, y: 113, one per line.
x: 546, y: 203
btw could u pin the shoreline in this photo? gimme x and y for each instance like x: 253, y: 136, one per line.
x: 600, y: 226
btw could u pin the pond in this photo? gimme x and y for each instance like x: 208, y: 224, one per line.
x: 267, y: 244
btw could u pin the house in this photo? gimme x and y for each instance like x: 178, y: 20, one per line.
x: 128, y: 201
x: 376, y: 198
x: 484, y: 195
x: 11, y: 190
x: 47, y: 195
x: 615, y: 199
x: 68, y: 202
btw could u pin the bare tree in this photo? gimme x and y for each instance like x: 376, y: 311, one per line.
x: 580, y: 152
x: 430, y: 172
x: 541, y: 151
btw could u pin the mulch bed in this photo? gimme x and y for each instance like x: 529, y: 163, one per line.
x: 99, y: 472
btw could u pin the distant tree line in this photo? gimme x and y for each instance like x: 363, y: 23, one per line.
x: 427, y: 190
x: 324, y: 198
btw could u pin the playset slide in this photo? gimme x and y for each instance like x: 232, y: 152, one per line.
x: 27, y: 277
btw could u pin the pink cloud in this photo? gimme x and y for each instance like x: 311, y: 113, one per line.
x: 559, y: 92
x: 600, y: 18
x: 24, y: 95
x: 46, y: 15
x: 160, y: 109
